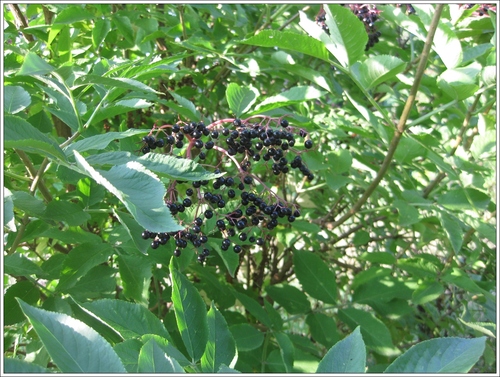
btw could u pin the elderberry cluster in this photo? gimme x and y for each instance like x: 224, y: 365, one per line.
x: 409, y: 8
x: 368, y: 15
x: 236, y: 210
x: 482, y: 10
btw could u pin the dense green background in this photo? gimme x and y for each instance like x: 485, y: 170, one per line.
x: 396, y: 242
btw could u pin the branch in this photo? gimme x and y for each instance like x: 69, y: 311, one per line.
x: 400, y: 128
x: 25, y: 221
x: 458, y: 140
x: 21, y: 21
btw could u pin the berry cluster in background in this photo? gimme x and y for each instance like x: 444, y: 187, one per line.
x: 238, y: 209
x: 482, y: 9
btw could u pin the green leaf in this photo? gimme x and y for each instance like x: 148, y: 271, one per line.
x: 217, y: 290
x: 379, y: 257
x: 128, y: 352
x: 71, y: 236
x: 462, y: 280
x: 18, y: 265
x: 34, y: 65
x: 374, y: 272
x: 306, y: 227
x: 427, y: 291
x: 152, y: 359
x: 73, y: 346
x: 114, y: 82
x: 225, y: 369
x: 375, y: 333
x: 418, y: 267
x: 254, y: 308
x: 68, y: 212
x: 473, y: 53
x: 289, y: 41
x: 221, y: 347
x: 407, y: 214
x: 168, y: 348
x: 347, y: 39
x: 246, y: 336
x: 489, y: 75
x: 286, y: 350
x: 459, y: 83
x: 99, y: 281
x: 315, y: 277
x: 129, y: 319
x: 347, y: 33
x: 73, y: 14
x: 98, y: 142
x: 486, y: 328
x: 135, y: 271
x: 274, y: 316
x: 139, y: 190
x: 190, y: 313
x: 453, y: 230
x: 323, y: 328
x: 170, y: 166
x: 134, y: 230
x: 240, y: 99
x: 370, y: 118
x: 347, y: 356
x: 442, y: 355
x: 66, y: 109
x: 79, y: 312
x: 189, y: 109
x: 26, y: 291
x: 80, y: 260
x: 176, y: 168
x: 408, y: 149
x: 9, y: 220
x: 377, y: 69
x: 463, y: 199
x: 124, y: 27
x: 292, y: 299
x: 445, y: 43
x: 17, y: 366
x: 19, y: 134
x: 289, y: 97
x: 309, y: 74
x: 15, y: 99
x: 101, y: 29
x: 231, y: 260
x: 383, y: 290
x: 121, y: 107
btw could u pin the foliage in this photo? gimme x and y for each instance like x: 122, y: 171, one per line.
x: 390, y: 264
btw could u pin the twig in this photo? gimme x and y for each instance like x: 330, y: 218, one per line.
x: 400, y: 128
x: 21, y: 21
x: 458, y: 140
